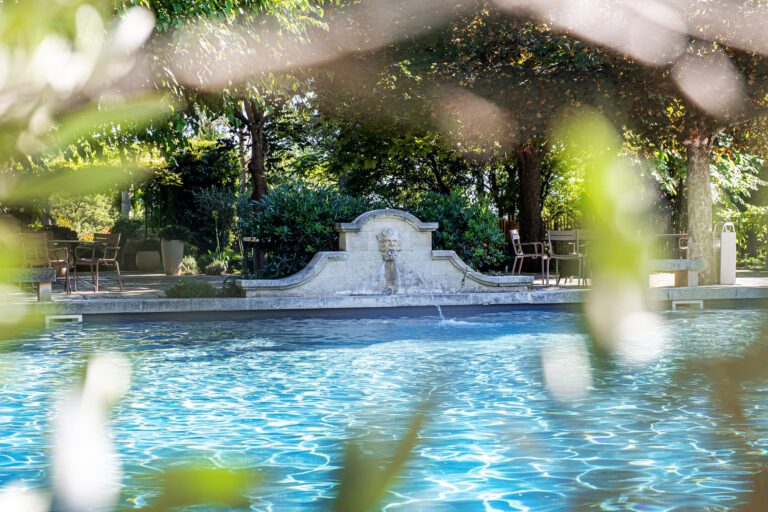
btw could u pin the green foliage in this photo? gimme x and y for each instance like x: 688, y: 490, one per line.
x: 189, y: 266
x: 128, y: 228
x: 87, y: 214
x: 187, y: 486
x: 199, y: 181
x: 735, y: 173
x: 218, y: 206
x: 191, y: 288
x: 61, y: 232
x: 148, y: 244
x: 175, y: 232
x: 469, y: 228
x: 296, y: 221
x: 216, y: 267
x: 564, y: 190
x: 751, y: 235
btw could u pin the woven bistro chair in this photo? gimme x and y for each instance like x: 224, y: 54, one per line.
x: 564, y: 246
x: 38, y: 252
x: 104, y: 251
x: 523, y: 250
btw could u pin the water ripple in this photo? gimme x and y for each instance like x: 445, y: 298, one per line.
x: 282, y: 395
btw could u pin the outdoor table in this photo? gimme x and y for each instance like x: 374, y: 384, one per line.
x: 71, y: 245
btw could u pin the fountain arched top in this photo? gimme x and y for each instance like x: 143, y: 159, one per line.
x: 357, y: 224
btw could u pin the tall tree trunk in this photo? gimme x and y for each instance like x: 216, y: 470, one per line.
x: 125, y: 203
x: 699, y: 199
x: 680, y: 208
x: 256, y: 117
x: 529, y: 158
x: 493, y: 186
x: 242, y: 136
x: 479, y: 178
x: 442, y: 187
x: 46, y: 218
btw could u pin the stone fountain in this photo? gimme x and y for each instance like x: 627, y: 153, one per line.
x: 385, y: 253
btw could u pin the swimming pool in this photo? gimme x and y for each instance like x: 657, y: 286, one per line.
x: 283, y: 394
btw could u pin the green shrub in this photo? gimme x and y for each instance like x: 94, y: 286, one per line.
x: 148, y: 244
x: 128, y: 228
x: 175, y: 232
x: 197, y: 190
x: 190, y: 288
x: 189, y: 266
x: 61, y: 232
x: 216, y: 268
x: 296, y: 222
x: 751, y: 235
x: 470, y: 229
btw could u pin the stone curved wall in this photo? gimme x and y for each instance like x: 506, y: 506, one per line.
x: 384, y: 252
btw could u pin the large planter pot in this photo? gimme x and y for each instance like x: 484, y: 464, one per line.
x: 173, y: 254
x: 148, y: 261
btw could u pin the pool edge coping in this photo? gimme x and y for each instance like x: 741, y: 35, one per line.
x: 290, y: 303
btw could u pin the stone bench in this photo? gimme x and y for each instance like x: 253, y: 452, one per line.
x: 686, y: 271
x: 42, y: 277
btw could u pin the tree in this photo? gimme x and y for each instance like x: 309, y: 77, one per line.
x: 681, y: 82
x: 188, y: 192
x: 206, y: 55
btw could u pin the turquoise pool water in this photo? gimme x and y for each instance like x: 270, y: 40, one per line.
x: 283, y: 394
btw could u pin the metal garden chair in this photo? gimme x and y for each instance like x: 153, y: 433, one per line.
x: 104, y: 251
x: 534, y: 251
x: 564, y: 246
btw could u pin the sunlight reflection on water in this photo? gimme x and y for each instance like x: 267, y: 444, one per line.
x: 284, y: 394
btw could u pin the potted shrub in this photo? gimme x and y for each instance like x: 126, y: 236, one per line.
x: 172, y: 240
x: 148, y: 255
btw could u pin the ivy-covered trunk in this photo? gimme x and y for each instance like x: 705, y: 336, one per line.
x: 699, y: 196
x: 256, y: 117
x: 529, y: 158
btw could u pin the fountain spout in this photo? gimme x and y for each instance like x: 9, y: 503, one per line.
x: 389, y: 245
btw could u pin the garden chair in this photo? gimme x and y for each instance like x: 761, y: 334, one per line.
x: 535, y: 251
x: 38, y: 252
x: 585, y: 237
x: 564, y: 246
x: 104, y: 251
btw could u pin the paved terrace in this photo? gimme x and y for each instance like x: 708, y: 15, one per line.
x: 145, y: 293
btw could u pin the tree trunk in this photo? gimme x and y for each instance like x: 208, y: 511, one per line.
x: 125, y: 203
x: 529, y: 158
x: 256, y: 117
x: 46, y: 218
x: 243, y: 146
x: 699, y: 196
x: 680, y: 208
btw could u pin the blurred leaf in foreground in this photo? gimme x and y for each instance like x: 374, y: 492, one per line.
x: 14, y: 317
x: 188, y: 486
x: 759, y: 497
x: 616, y: 247
x: 364, y: 480
x: 729, y: 376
